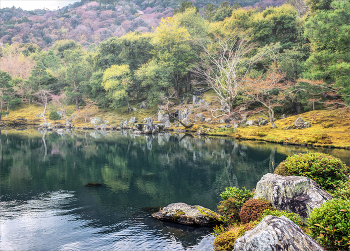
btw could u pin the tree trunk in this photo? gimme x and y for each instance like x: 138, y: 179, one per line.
x: 105, y: 107
x: 2, y: 102
x: 272, y: 117
x: 129, y: 108
x: 76, y: 96
x: 29, y: 103
x: 45, y: 110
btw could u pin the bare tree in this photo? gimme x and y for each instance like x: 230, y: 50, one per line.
x: 263, y: 90
x: 225, y: 63
x: 300, y: 6
x: 44, y: 98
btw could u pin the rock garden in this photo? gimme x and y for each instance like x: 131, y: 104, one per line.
x: 303, y: 205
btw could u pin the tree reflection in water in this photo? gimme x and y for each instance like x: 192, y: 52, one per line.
x: 136, y: 172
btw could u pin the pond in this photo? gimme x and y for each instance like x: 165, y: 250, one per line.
x: 45, y: 204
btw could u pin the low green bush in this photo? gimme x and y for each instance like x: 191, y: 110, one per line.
x: 252, y: 209
x: 230, y: 209
x: 327, y: 171
x: 54, y: 115
x: 233, y: 200
x: 278, y: 213
x: 330, y: 224
x: 240, y: 194
x: 342, y: 191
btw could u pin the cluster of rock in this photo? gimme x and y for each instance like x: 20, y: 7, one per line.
x: 295, y: 194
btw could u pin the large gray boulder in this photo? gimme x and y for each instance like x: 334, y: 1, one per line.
x: 96, y: 120
x: 150, y: 128
x: 295, y: 194
x: 187, y: 215
x: 276, y: 233
x: 300, y: 123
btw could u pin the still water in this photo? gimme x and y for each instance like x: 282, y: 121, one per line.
x: 45, y: 204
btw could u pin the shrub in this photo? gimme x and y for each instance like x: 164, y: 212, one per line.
x: 278, y: 213
x: 233, y: 200
x: 239, y: 194
x: 330, y: 224
x: 230, y: 209
x: 252, y: 209
x: 327, y: 171
x: 54, y: 115
x: 342, y: 191
x: 226, y: 240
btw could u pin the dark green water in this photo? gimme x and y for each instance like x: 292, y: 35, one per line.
x: 45, y: 204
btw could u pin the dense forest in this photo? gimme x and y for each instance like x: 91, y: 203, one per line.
x: 294, y: 57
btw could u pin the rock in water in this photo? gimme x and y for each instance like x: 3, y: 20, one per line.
x: 187, y: 215
x: 276, y: 233
x: 295, y: 194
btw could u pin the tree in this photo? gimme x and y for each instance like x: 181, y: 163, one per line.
x: 77, y: 71
x: 328, y: 30
x: 37, y: 79
x: 225, y: 64
x: 172, y: 47
x: 95, y: 91
x: 43, y: 96
x: 117, y: 81
x: 5, y: 89
x: 267, y: 90
x: 184, y: 6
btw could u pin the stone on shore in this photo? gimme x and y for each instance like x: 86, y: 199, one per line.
x: 295, y: 194
x: 188, y: 215
x: 276, y: 233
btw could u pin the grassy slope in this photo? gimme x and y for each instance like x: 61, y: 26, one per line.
x: 329, y: 127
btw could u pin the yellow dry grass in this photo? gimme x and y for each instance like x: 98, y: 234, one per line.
x: 328, y: 127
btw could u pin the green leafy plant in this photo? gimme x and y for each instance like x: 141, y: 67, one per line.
x: 327, y: 171
x: 342, y: 191
x: 229, y: 209
x: 233, y: 200
x: 330, y: 224
x: 54, y: 115
x: 240, y: 194
x: 278, y: 213
x: 252, y: 209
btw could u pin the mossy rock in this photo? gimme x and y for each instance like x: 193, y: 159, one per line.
x: 188, y: 215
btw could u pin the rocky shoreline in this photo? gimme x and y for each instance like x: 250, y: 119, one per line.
x: 294, y: 194
x: 146, y: 126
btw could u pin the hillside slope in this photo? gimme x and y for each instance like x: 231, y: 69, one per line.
x: 90, y: 22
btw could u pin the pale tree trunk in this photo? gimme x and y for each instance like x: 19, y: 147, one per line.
x: 2, y: 103
x: 45, y: 104
x: 272, y: 117
x: 76, y: 97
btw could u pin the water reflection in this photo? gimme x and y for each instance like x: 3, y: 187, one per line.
x: 43, y: 176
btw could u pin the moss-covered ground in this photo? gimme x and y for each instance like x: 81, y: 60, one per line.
x: 329, y: 128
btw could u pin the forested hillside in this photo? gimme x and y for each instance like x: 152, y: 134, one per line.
x: 90, y: 22
x: 254, y: 60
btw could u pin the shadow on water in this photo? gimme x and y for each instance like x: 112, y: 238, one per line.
x: 130, y: 177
